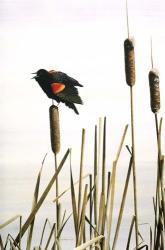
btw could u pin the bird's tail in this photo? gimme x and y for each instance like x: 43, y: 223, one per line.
x: 72, y: 106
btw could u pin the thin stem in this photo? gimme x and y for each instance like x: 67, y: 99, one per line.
x: 81, y: 173
x: 134, y: 167
x: 127, y: 18
x: 152, y: 62
x: 104, y: 157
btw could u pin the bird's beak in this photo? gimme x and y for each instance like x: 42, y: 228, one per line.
x: 34, y: 77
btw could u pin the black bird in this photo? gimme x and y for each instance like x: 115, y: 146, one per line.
x: 60, y: 87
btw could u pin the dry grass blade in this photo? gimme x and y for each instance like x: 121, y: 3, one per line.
x: 43, y: 231
x: 75, y: 183
x: 63, y: 225
x: 9, y: 239
x: 35, y: 199
x: 101, y: 218
x: 74, y: 206
x: 130, y: 232
x: 108, y: 190
x: 112, y: 186
x: 112, y: 194
x: 129, y: 61
x: 82, y: 218
x: 12, y: 247
x: 122, y: 204
x: 90, y: 206
x: 121, y: 143
x: 145, y: 246
x: 150, y: 238
x: 54, y: 128
x: 81, y: 172
x: 95, y: 195
x: 10, y: 221
x: 154, y: 90
x: 43, y: 196
x: 89, y: 243
x: 104, y: 156
x: 1, y: 243
x: 93, y: 227
x: 50, y: 236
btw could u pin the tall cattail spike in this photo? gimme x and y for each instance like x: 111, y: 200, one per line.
x: 54, y: 128
x: 129, y: 61
x: 154, y: 90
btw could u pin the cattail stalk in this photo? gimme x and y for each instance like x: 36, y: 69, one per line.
x: 130, y: 79
x: 55, y: 145
x: 155, y: 107
x: 134, y: 168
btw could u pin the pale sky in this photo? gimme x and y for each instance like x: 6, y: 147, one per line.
x: 85, y: 40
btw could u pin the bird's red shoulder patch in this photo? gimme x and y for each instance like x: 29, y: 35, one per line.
x: 57, y: 87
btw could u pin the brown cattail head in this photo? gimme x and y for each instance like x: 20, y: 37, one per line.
x: 54, y: 128
x: 129, y: 61
x: 154, y: 90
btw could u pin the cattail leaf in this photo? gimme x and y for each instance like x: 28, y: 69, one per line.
x: 10, y: 221
x: 35, y: 199
x: 42, y: 198
x: 122, y: 204
x: 75, y: 183
x: 50, y: 236
x: 74, y: 206
x: 130, y: 233
x: 82, y: 218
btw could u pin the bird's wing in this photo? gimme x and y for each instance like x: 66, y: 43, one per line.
x: 70, y: 94
x: 64, y: 78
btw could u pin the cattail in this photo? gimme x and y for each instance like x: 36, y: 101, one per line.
x: 54, y: 128
x: 129, y: 61
x: 154, y: 90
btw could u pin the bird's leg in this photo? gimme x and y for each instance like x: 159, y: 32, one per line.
x: 54, y: 104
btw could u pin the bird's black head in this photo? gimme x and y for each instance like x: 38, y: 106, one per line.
x: 40, y: 74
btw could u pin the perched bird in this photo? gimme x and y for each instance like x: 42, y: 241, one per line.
x: 60, y: 87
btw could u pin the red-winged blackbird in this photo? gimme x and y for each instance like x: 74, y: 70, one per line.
x: 60, y: 87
